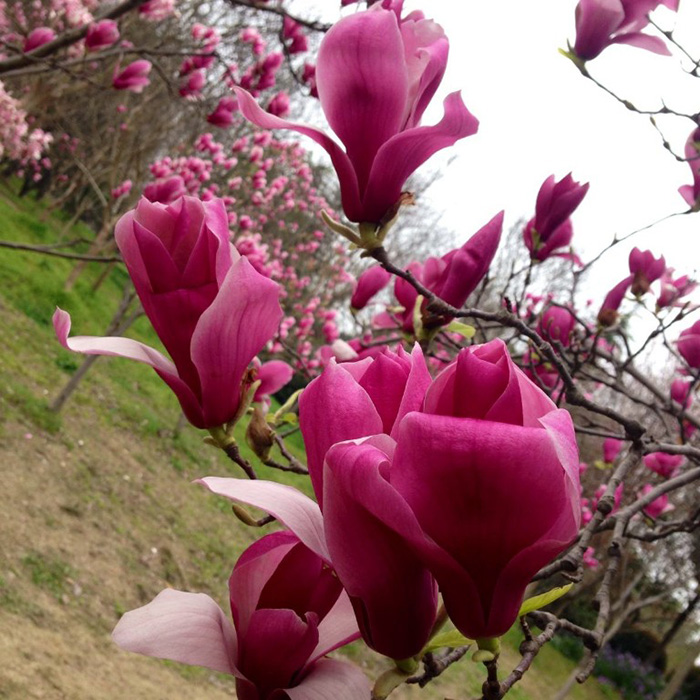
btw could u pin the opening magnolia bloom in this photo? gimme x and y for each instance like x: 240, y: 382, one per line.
x: 376, y: 74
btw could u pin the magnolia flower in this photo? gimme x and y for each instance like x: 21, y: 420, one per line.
x: 376, y: 74
x: 600, y: 23
x: 288, y: 612
x: 134, y: 77
x: 691, y: 193
x: 211, y: 309
x: 101, y: 35
x: 646, y: 269
x: 550, y: 229
x: 38, y: 37
x: 689, y: 345
x: 369, y: 283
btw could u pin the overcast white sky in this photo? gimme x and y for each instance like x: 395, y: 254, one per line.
x: 540, y: 116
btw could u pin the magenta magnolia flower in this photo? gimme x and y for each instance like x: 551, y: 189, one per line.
x: 490, y: 468
x: 611, y: 449
x: 211, y: 309
x: 658, y: 506
x: 550, y: 229
x: 557, y: 323
x: 609, y: 314
x: 600, y: 23
x: 646, y: 269
x: 376, y: 74
x: 134, y: 77
x: 165, y: 191
x: 288, y: 610
x: 454, y: 276
x: 38, y: 37
x: 663, y: 464
x: 369, y: 283
x: 272, y: 375
x: 101, y: 35
x: 689, y: 345
x: 691, y: 193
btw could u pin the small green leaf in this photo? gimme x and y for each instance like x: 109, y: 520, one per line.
x: 464, y: 329
x: 451, y: 638
x: 600, y: 464
x: 539, y: 601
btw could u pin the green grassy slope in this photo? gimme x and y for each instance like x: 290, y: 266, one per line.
x: 99, y: 512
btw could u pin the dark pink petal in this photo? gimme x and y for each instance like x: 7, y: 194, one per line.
x: 371, y: 281
x: 333, y: 408
x: 332, y: 679
x: 349, y: 187
x: 370, y: 528
x: 244, y: 316
x: 362, y: 82
x: 404, y: 153
x: 275, y: 648
x: 495, y: 498
x: 186, y: 627
x: 291, y: 507
x: 596, y: 20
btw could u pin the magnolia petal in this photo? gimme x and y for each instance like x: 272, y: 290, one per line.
x: 596, y: 20
x: 362, y: 82
x: 332, y: 679
x: 243, y: 317
x: 337, y: 628
x: 349, y: 188
x: 643, y: 41
x: 291, y: 507
x: 333, y: 408
x: 186, y: 627
x: 370, y: 531
x: 404, y: 153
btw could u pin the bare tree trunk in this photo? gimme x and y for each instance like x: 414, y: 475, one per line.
x: 117, y: 326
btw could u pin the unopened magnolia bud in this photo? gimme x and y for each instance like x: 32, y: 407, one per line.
x: 259, y: 436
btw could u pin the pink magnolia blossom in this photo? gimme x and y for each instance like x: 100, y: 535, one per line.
x: 658, y: 506
x: 689, y: 345
x: 550, y: 229
x: 101, y: 35
x: 557, y: 323
x: 288, y: 611
x: 663, y: 464
x: 691, y: 193
x: 222, y: 116
x: 673, y: 290
x: 38, y: 37
x: 646, y: 269
x: 165, y: 191
x: 680, y: 392
x: 212, y: 311
x: 272, y: 375
x: 601, y: 23
x: 589, y: 558
x: 157, y: 10
x: 369, y: 283
x: 454, y: 276
x: 490, y: 469
x: 376, y: 74
x: 134, y: 77
x: 609, y: 314
x: 193, y: 85
x: 611, y: 449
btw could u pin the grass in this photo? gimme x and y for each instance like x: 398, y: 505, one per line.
x: 102, y: 490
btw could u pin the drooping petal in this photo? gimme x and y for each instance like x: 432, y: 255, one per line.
x: 337, y: 628
x: 291, y: 507
x: 132, y: 350
x: 186, y: 627
x: 272, y: 376
x: 654, y: 44
x: 405, y: 152
x: 332, y: 679
x: 349, y: 188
